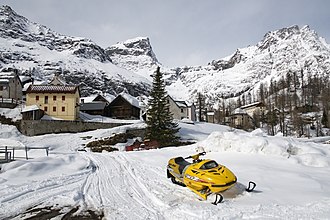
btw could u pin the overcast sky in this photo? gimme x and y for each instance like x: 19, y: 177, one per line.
x: 181, y: 32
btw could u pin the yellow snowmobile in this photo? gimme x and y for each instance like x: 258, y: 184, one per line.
x: 203, y: 177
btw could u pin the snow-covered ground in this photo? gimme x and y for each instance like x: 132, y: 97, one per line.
x: 292, y: 176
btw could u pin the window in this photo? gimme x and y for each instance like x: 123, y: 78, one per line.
x: 54, y: 98
x: 54, y: 108
x: 63, y: 98
x: 209, y: 165
x: 37, y: 98
x: 46, y: 99
x: 45, y: 108
x: 63, y: 109
x: 182, y: 110
x: 1, y: 88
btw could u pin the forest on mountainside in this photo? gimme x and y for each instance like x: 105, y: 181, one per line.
x: 297, y: 104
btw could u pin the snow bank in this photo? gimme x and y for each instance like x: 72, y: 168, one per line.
x: 8, y: 131
x: 39, y: 167
x: 309, y: 154
x: 15, y: 113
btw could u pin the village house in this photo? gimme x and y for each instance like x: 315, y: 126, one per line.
x: 124, y: 106
x: 96, y: 105
x: 182, y: 109
x: 256, y: 108
x: 243, y: 117
x: 10, y: 88
x: 56, y: 99
x: 210, y: 117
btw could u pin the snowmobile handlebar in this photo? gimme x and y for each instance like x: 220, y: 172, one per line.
x: 196, y: 156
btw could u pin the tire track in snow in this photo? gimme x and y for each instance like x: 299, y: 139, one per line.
x: 38, y: 192
x: 116, y: 189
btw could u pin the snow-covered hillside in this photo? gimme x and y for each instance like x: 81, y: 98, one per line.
x: 128, y: 65
x: 292, y: 49
x: 37, y: 50
x: 291, y: 175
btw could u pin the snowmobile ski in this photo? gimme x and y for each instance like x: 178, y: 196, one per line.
x: 251, y: 186
x: 218, y: 199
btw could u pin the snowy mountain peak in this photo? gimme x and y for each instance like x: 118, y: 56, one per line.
x: 14, y: 26
x: 128, y: 64
x: 291, y: 34
x: 279, y: 52
x: 42, y: 52
x: 136, y: 46
x: 135, y: 54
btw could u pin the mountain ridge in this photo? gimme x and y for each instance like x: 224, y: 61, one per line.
x: 128, y: 65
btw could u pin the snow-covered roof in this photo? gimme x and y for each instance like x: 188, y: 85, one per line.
x: 109, y: 98
x: 30, y: 108
x: 210, y: 113
x: 132, y: 100
x: 6, y: 76
x: 88, y: 99
x: 251, y: 105
x: 238, y: 111
x: 181, y: 104
x: 4, y: 80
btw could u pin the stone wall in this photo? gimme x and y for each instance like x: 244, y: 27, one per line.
x: 39, y: 127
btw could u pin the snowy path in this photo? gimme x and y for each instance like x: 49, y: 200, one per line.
x: 17, y: 198
x: 133, y: 185
x: 115, y: 188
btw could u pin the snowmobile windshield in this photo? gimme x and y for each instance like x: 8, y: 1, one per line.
x: 209, y: 165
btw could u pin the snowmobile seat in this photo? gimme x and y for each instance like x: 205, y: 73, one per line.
x: 182, y: 163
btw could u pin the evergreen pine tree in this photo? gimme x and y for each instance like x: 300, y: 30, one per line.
x: 160, y: 125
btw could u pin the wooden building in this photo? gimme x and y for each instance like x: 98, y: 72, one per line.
x: 124, y: 106
x: 32, y: 112
x: 96, y: 105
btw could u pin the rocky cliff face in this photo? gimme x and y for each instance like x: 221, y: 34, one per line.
x: 38, y: 50
x: 135, y: 55
x: 292, y: 49
x: 129, y: 64
x: 14, y: 26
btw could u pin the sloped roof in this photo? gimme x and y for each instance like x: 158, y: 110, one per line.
x: 181, y: 104
x: 132, y: 100
x: 88, y: 99
x: 107, y: 97
x: 30, y: 108
x: 90, y: 106
x: 252, y: 105
x: 52, y: 89
x: 57, y: 80
x: 5, y: 76
x: 239, y: 111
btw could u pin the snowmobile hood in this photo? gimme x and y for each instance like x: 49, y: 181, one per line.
x: 213, y: 173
